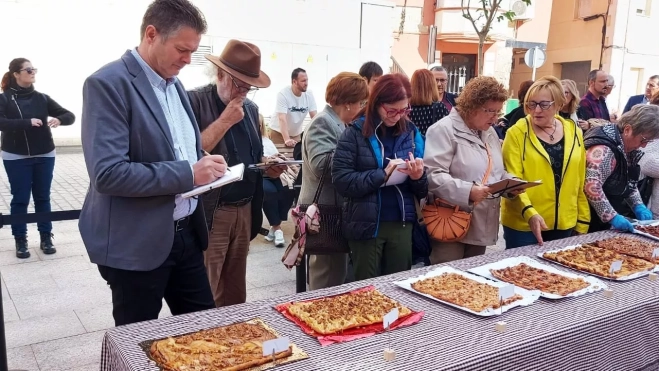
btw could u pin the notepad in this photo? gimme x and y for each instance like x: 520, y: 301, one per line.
x: 397, y: 177
x: 233, y: 174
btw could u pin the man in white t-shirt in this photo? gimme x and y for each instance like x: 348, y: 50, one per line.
x: 293, y: 104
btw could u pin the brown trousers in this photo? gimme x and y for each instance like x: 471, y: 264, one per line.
x: 444, y: 252
x: 277, y: 138
x: 226, y: 256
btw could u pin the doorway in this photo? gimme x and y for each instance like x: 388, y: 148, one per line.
x: 577, y: 71
x: 460, y: 69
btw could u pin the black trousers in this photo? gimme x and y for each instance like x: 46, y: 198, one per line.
x: 181, y: 280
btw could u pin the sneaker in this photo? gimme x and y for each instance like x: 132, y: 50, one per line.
x: 271, y: 236
x: 21, y: 247
x: 279, y: 238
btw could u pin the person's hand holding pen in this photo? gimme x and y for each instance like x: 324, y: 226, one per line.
x: 479, y: 192
x: 414, y: 167
x: 209, y: 168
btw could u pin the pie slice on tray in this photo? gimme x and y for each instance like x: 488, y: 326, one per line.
x: 630, y: 246
x: 336, y: 314
x: 463, y: 291
x: 229, y: 348
x: 596, y: 260
x: 532, y: 278
x: 649, y: 229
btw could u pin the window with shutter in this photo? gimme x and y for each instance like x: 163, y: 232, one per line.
x: 198, y: 58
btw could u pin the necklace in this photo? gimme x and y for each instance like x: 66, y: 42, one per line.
x: 551, y: 135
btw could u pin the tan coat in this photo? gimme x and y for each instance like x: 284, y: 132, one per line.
x: 455, y: 159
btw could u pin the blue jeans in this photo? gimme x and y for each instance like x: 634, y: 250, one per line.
x: 515, y: 238
x: 30, y: 176
x: 277, y: 201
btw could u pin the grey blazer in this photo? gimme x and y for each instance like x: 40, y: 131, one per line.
x: 320, y: 138
x: 126, y: 220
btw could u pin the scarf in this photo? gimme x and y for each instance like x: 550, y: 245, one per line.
x: 19, y: 91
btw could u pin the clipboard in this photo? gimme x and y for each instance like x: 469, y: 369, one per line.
x: 233, y: 174
x: 266, y: 165
x: 507, y: 185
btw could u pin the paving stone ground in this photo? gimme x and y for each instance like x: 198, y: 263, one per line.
x: 57, y: 307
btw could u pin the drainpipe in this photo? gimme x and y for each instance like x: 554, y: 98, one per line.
x: 432, y: 44
x: 605, y: 17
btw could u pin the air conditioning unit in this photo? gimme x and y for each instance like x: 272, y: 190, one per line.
x: 522, y: 10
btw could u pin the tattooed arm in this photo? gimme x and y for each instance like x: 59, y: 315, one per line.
x: 600, y: 162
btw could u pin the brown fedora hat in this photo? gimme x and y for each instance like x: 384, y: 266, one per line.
x: 242, y: 60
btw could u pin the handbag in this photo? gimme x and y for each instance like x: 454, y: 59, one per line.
x: 324, y: 232
x: 446, y: 222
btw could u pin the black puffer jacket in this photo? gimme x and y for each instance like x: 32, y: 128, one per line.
x: 17, y: 109
x: 357, y: 174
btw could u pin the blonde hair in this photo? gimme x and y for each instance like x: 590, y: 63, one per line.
x: 572, y: 88
x: 555, y: 89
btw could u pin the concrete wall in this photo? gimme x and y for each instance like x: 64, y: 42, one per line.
x: 70, y: 39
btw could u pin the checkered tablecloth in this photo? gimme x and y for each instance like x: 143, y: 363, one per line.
x: 590, y: 332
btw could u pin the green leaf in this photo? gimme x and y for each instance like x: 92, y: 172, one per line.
x: 509, y: 15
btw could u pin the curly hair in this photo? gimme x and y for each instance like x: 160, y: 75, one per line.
x: 477, y: 92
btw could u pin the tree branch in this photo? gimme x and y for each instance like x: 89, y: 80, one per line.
x: 466, y: 12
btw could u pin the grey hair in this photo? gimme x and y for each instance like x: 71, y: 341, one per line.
x: 611, y: 80
x: 438, y: 69
x: 211, y: 71
x: 643, y: 119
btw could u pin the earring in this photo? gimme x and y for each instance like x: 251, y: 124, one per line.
x: 348, y: 108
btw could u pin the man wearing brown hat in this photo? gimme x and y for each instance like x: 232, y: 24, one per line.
x: 229, y: 125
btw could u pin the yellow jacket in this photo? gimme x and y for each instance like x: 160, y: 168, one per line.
x: 524, y: 157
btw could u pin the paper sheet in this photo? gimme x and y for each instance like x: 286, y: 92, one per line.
x: 233, y: 174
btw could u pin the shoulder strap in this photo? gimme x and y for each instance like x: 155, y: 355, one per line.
x: 328, y: 163
x: 489, y: 164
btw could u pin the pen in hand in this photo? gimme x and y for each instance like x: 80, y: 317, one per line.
x: 203, y: 152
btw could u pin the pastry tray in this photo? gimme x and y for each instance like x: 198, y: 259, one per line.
x: 528, y: 296
x: 297, y: 355
x: 624, y: 278
x: 595, y: 284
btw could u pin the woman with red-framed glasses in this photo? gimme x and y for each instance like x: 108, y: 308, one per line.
x: 28, y: 151
x: 378, y: 170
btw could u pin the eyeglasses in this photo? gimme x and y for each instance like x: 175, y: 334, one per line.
x: 544, y: 105
x: 392, y: 112
x: 243, y: 89
x: 29, y: 70
x: 491, y: 112
x: 645, y: 140
x: 441, y: 80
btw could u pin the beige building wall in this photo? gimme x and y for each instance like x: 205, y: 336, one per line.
x: 535, y: 30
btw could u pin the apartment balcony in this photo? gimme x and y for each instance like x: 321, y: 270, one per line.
x: 452, y: 26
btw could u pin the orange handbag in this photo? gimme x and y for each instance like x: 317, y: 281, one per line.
x: 446, y: 222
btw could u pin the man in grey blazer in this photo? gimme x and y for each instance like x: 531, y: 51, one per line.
x: 142, y: 150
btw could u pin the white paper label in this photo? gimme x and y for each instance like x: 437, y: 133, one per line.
x: 655, y: 253
x: 506, y: 292
x: 275, y: 346
x: 390, y: 318
x: 615, y: 266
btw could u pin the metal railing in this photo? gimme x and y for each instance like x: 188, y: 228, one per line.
x: 396, y: 67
